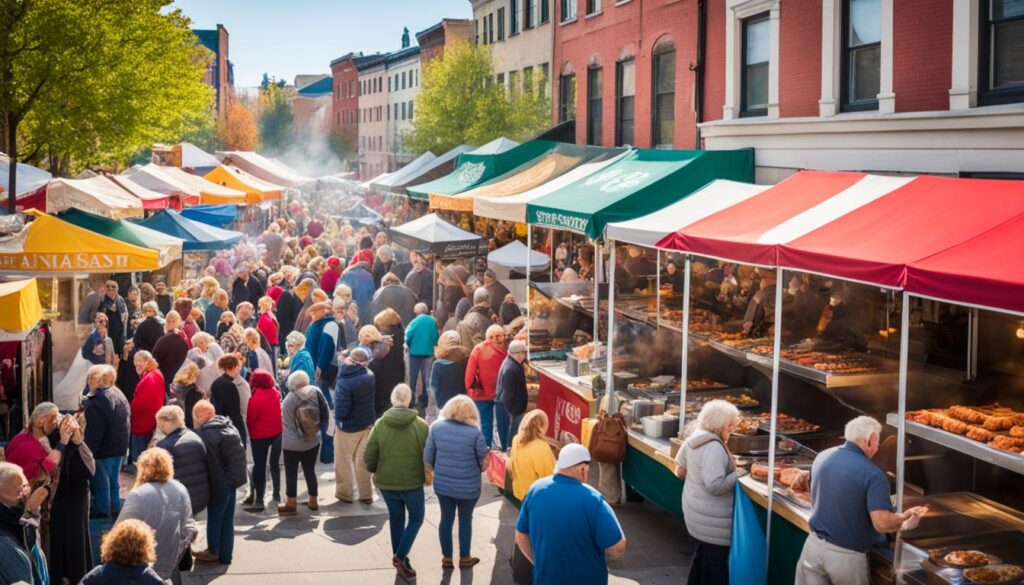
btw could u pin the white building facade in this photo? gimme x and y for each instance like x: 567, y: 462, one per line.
x: 403, y: 84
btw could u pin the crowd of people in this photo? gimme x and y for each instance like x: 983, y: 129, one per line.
x: 315, y: 341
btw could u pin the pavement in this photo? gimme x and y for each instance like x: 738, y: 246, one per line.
x: 350, y: 543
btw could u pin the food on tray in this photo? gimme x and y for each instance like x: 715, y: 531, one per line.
x: 796, y: 479
x: 997, y: 426
x: 968, y: 414
x: 747, y: 426
x: 759, y: 471
x: 981, y: 434
x: 1017, y: 431
x: 740, y: 400
x: 1005, y: 443
x: 703, y: 384
x: 584, y: 352
x: 966, y: 558
x: 789, y: 424
x: 994, y: 574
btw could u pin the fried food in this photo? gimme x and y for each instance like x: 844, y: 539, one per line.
x: 980, y: 434
x: 968, y: 414
x: 947, y: 423
x: 966, y: 558
x: 999, y: 423
x: 796, y: 479
x: 1005, y: 443
x: 1017, y: 431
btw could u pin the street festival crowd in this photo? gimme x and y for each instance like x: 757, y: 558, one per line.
x: 317, y: 340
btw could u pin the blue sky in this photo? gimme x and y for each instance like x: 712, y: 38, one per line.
x: 284, y: 38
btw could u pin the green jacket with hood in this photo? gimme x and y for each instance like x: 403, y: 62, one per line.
x: 394, y: 451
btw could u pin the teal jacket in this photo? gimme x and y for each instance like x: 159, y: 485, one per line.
x: 421, y: 336
x: 394, y: 451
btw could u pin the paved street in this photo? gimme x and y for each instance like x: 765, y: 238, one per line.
x: 350, y: 543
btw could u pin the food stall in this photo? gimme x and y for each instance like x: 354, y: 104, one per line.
x: 836, y: 341
x: 25, y: 348
x: 565, y: 333
x: 200, y: 240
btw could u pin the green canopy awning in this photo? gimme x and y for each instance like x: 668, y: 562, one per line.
x: 642, y: 182
x: 476, y: 169
x: 127, y: 232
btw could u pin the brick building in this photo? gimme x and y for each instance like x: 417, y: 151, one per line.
x: 344, y: 112
x: 912, y: 86
x: 519, y: 35
x: 221, y: 74
x: 435, y: 40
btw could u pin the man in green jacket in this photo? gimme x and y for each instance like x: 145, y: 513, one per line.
x: 394, y: 454
x: 421, y: 338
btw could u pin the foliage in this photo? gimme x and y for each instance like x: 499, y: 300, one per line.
x: 237, y: 131
x: 342, y: 145
x: 460, y: 104
x: 277, y: 128
x: 91, y: 82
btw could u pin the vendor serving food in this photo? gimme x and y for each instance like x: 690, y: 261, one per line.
x: 850, y: 508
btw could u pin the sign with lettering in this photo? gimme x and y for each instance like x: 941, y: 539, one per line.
x: 67, y: 262
x: 560, y: 220
x: 565, y: 409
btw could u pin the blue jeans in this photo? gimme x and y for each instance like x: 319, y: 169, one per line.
x: 513, y: 428
x: 486, y: 408
x: 504, y: 421
x: 137, y: 444
x: 220, y: 523
x: 444, y: 528
x: 404, y: 534
x: 419, y: 371
x: 326, y: 443
x: 106, y: 490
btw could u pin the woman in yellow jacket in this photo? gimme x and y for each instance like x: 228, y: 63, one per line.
x: 531, y: 457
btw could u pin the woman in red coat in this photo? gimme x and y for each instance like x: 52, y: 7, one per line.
x: 263, y: 421
x: 482, y: 381
x: 267, y: 323
x: 148, y: 398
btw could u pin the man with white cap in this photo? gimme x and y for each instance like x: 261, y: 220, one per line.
x: 564, y: 518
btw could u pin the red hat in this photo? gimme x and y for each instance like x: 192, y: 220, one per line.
x: 261, y: 379
x: 333, y: 262
x: 305, y: 241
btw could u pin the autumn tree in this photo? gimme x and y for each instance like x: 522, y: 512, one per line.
x: 237, y: 131
x: 93, y: 81
x: 461, y: 104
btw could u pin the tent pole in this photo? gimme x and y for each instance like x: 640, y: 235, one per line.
x: 613, y: 406
x: 551, y: 259
x: 597, y: 292
x: 657, y: 288
x: 901, y: 427
x: 773, y: 429
x: 529, y: 249
x: 685, y: 333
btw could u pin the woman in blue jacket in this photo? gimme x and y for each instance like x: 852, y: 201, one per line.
x: 456, y: 452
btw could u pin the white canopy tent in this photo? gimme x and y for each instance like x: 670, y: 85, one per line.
x: 155, y: 178
x: 98, y: 196
x: 29, y: 178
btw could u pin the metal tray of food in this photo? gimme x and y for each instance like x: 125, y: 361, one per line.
x: 1012, y: 461
x: 756, y: 447
x: 781, y: 426
x: 742, y: 398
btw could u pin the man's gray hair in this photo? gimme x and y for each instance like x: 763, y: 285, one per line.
x: 385, y: 253
x: 297, y: 379
x: 171, y: 414
x: 401, y: 396
x: 420, y: 309
x: 716, y: 415
x: 517, y: 346
x: 42, y: 409
x: 9, y: 471
x: 861, y: 428
x: 151, y: 306
x: 481, y: 295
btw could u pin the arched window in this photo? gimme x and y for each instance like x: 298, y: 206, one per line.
x: 663, y: 91
x: 595, y: 87
x: 625, y: 97
x: 567, y: 93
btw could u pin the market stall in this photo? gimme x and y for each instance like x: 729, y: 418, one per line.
x: 25, y: 348
x: 31, y: 184
x: 218, y: 216
x: 256, y: 190
x: 569, y: 313
x: 267, y: 169
x: 474, y: 169
x: 97, y: 195
x: 200, y: 240
x: 210, y: 193
x: 434, y: 169
x: 155, y: 178
x: 151, y: 200
x: 414, y: 168
x: 168, y: 248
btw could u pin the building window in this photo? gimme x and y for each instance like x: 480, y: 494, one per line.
x: 403, y: 110
x: 664, y: 94
x: 476, y: 33
x: 513, y: 82
x: 500, y: 79
x: 567, y: 97
x: 490, y: 28
x: 625, y: 96
x: 513, y: 17
x: 568, y: 10
x: 544, y: 11
x: 528, y: 80
x: 531, y: 14
x: 755, y: 52
x: 411, y: 102
x: 501, y: 24
x: 594, y: 116
x: 1001, y: 52
x: 405, y: 79
x: 862, y: 54
x: 542, y: 84
x: 593, y: 6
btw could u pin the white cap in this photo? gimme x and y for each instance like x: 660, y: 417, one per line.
x: 572, y: 455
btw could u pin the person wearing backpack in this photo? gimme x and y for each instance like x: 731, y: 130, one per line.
x: 226, y: 465
x: 303, y: 414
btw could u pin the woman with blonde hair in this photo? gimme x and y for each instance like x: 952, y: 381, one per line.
x: 214, y: 312
x: 267, y: 323
x: 162, y: 502
x: 210, y: 286
x: 148, y: 398
x: 344, y: 292
x: 256, y: 356
x: 185, y: 391
x: 531, y: 457
x: 127, y: 552
x: 456, y: 451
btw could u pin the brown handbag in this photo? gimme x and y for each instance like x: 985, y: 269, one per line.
x: 608, y: 439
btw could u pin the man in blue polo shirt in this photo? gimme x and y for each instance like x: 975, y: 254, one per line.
x: 565, y: 527
x: 850, y: 509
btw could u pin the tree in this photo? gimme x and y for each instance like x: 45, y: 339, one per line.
x: 460, y: 104
x: 343, y: 146
x: 237, y: 131
x: 277, y: 128
x: 93, y: 81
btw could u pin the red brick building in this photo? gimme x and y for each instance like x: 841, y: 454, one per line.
x: 345, y: 97
x: 918, y: 86
x: 438, y: 38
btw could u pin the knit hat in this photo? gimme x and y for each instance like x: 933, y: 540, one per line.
x: 333, y: 262
x: 305, y: 241
x: 261, y: 379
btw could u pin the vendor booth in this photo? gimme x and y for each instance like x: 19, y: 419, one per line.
x: 267, y: 169
x: 197, y: 237
x: 434, y: 169
x: 97, y: 195
x: 476, y: 169
x: 151, y: 200
x: 31, y: 184
x: 25, y: 353
x: 219, y: 216
x: 409, y: 171
x: 168, y: 248
x: 794, y: 313
x: 256, y: 190
x: 155, y: 178
x: 210, y: 193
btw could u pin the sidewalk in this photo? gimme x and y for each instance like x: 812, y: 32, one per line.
x: 350, y: 543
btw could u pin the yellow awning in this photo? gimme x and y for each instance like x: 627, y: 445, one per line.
x: 256, y: 189
x: 210, y: 193
x: 20, y: 309
x: 546, y: 168
x: 50, y: 245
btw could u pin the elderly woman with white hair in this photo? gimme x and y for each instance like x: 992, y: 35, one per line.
x: 455, y: 451
x: 710, y: 473
x: 304, y: 414
x: 299, y: 359
x: 384, y: 263
x: 394, y: 455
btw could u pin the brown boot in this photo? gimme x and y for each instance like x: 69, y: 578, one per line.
x: 288, y: 508
x: 313, y: 505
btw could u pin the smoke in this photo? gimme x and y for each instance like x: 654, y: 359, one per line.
x: 311, y: 152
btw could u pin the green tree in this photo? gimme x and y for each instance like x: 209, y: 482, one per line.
x: 460, y: 104
x: 277, y: 128
x: 90, y: 82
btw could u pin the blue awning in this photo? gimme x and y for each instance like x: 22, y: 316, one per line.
x: 215, y: 215
x: 198, y: 237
